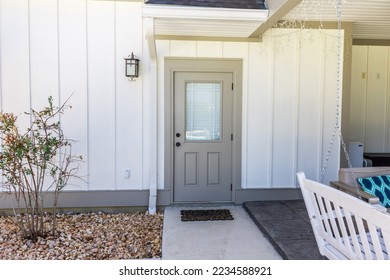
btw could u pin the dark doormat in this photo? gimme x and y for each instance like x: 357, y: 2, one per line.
x: 206, y: 215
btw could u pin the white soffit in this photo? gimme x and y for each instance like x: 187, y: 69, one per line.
x: 205, y: 22
x: 370, y: 19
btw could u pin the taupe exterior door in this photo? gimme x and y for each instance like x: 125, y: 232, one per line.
x: 202, y: 136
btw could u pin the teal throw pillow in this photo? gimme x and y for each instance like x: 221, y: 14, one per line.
x: 378, y: 186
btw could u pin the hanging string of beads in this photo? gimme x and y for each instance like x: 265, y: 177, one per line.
x: 337, y: 129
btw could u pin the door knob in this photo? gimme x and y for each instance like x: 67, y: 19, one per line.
x: 178, y: 144
x: 178, y: 134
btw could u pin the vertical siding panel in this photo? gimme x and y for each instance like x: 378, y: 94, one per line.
x: 241, y: 51
x: 129, y: 97
x: 43, y: 52
x: 271, y: 82
x: 284, y: 107
x: 370, y: 102
x: 259, y: 105
x: 101, y: 86
x: 208, y: 49
x: 296, y: 105
x: 73, y: 80
x: 183, y: 48
x: 376, y: 99
x: 234, y: 50
x: 15, y: 60
x: 162, y: 47
x: 245, y: 113
x: 330, y: 102
x: 149, y: 113
x: 358, y: 93
x: 310, y: 103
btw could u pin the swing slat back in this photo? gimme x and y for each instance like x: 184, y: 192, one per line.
x: 344, y: 226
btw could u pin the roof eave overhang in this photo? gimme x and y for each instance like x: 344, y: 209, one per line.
x: 204, y: 23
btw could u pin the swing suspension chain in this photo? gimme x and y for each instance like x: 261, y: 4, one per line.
x: 337, y: 130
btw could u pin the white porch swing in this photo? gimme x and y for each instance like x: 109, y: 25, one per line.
x: 345, y: 227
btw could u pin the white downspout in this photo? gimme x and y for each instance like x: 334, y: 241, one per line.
x: 149, y: 33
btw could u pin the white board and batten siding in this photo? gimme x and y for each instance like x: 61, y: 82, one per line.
x: 370, y: 98
x: 76, y: 47
x: 289, y: 102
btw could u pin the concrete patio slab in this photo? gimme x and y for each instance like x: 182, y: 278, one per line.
x: 238, y: 239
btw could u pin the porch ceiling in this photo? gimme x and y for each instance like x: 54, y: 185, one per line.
x: 203, y: 21
x: 370, y: 19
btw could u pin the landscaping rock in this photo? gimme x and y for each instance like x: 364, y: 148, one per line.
x: 93, y: 236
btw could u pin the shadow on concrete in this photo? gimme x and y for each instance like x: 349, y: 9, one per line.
x: 287, y: 226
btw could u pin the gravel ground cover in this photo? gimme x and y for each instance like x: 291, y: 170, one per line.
x: 92, y: 236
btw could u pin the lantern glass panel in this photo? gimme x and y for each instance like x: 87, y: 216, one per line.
x: 131, y: 70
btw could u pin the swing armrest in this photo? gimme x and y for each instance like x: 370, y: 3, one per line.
x: 352, y: 191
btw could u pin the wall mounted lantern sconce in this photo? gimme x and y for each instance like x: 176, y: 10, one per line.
x: 132, y: 67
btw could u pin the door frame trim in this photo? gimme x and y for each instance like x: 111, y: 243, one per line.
x: 172, y: 65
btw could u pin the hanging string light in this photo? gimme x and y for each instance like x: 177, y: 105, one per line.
x: 337, y: 128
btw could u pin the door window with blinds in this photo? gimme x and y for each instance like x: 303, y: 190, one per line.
x: 203, y: 111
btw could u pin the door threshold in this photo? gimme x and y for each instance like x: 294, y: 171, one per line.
x: 202, y: 204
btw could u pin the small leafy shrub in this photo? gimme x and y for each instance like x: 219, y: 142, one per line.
x: 34, y: 163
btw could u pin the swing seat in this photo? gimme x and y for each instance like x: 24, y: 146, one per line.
x: 344, y: 226
x: 348, y: 181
